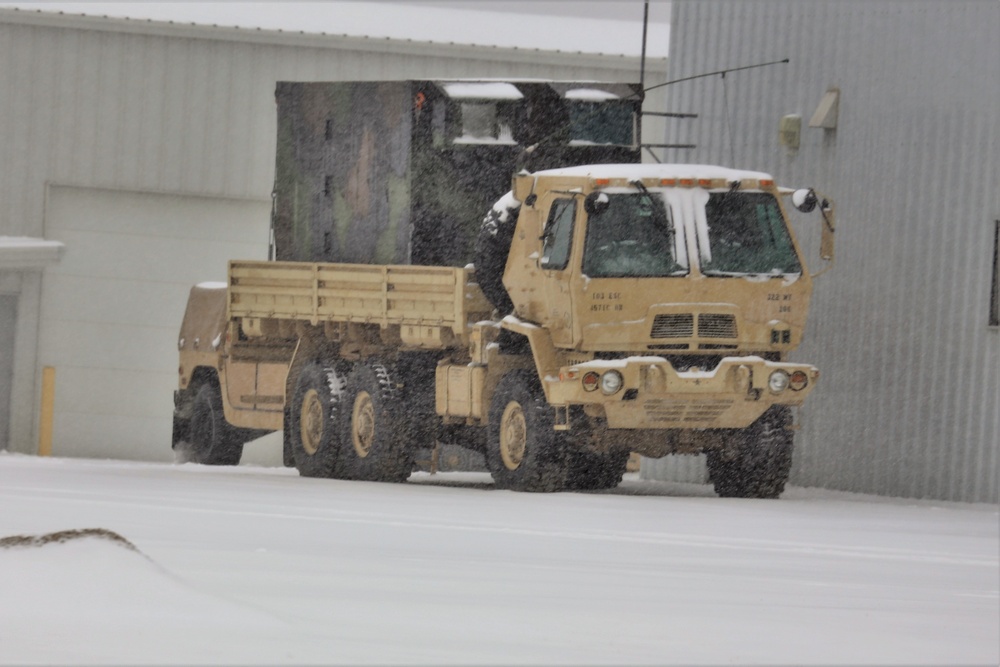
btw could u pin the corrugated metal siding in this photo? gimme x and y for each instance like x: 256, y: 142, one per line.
x: 909, y: 399
x: 190, y: 110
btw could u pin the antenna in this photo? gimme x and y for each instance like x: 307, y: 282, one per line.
x: 642, y: 72
x: 642, y: 60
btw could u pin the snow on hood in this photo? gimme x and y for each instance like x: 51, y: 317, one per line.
x: 634, y: 171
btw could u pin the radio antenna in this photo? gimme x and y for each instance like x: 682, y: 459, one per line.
x: 642, y: 60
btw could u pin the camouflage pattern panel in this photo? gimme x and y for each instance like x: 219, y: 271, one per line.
x: 342, y: 173
x: 402, y: 172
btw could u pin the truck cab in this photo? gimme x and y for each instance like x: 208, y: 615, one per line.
x: 677, y: 260
x: 670, y: 295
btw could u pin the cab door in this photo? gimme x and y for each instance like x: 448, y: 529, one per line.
x: 555, y: 262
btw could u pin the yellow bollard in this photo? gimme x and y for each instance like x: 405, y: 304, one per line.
x: 48, y: 403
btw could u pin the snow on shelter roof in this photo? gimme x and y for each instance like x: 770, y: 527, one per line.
x: 638, y: 171
x: 481, y: 90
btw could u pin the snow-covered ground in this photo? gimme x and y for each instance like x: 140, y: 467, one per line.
x: 254, y: 565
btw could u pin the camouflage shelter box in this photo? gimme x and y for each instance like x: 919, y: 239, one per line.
x: 402, y: 172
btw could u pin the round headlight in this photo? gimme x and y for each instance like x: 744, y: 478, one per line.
x: 798, y: 381
x: 778, y: 381
x: 611, y: 382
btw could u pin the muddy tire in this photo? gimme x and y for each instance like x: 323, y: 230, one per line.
x: 592, y: 471
x: 374, y: 443
x: 311, y: 426
x: 523, y: 451
x: 757, y: 460
x: 210, y: 439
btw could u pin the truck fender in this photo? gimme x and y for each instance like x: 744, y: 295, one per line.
x: 543, y: 351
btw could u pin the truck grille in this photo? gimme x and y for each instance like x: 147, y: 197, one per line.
x: 673, y: 326
x: 716, y: 325
x: 681, y: 325
x: 702, y: 412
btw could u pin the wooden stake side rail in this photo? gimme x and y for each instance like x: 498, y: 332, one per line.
x: 371, y: 294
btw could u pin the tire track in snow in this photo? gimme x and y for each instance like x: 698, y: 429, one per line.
x: 420, y: 522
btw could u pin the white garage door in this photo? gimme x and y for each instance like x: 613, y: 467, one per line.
x: 112, y: 308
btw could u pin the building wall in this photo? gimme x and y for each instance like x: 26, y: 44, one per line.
x: 108, y: 128
x: 908, y: 403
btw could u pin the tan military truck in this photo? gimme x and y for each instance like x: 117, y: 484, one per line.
x: 613, y: 309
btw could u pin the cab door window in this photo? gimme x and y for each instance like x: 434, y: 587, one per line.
x: 558, y: 234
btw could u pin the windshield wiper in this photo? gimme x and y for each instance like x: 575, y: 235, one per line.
x: 663, y: 220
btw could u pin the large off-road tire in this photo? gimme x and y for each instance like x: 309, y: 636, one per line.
x: 210, y: 439
x: 757, y: 460
x: 591, y: 471
x: 523, y: 451
x: 311, y: 427
x: 374, y: 443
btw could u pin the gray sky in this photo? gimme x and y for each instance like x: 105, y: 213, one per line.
x: 597, y: 26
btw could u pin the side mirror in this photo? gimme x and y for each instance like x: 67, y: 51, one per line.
x: 805, y: 200
x: 596, y: 203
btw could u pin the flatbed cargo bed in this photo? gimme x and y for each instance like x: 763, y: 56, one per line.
x: 387, y: 295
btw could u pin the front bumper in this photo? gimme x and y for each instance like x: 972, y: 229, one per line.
x: 653, y: 395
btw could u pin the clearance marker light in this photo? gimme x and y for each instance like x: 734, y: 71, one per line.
x: 687, y: 182
x: 705, y: 182
x: 765, y: 183
x: 602, y: 181
x: 670, y: 182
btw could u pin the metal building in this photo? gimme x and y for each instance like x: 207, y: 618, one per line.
x: 138, y: 157
x: 893, y: 109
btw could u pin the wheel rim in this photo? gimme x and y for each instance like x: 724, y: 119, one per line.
x: 311, y: 422
x: 363, y: 424
x: 513, y: 435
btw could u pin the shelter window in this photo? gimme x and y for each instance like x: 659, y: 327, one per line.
x: 485, y: 122
x: 601, y: 123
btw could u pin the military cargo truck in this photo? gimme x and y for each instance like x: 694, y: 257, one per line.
x: 613, y: 309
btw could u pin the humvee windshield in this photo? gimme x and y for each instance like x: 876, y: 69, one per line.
x: 746, y: 234
x: 633, y: 237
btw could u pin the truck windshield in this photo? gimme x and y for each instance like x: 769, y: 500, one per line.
x: 746, y: 235
x: 633, y: 237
